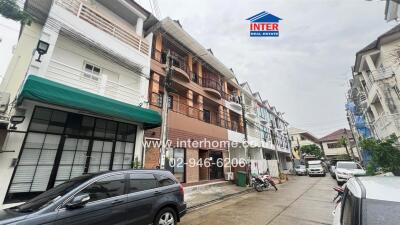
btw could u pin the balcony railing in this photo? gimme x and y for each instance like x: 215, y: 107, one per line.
x: 84, y: 12
x: 180, y: 106
x: 93, y: 83
x: 382, y: 73
x: 387, y: 125
x: 211, y: 83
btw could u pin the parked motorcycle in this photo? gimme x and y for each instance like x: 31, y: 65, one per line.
x: 263, y: 182
x: 339, y: 196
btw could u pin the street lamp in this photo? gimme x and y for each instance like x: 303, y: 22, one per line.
x: 41, y: 48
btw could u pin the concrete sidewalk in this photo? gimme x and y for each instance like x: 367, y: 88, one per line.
x: 197, y: 196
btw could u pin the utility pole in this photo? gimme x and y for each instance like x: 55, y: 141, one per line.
x: 164, y: 110
x: 273, y: 136
x: 246, y: 145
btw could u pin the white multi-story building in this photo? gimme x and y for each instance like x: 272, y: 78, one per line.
x: 301, y: 138
x: 375, y: 85
x: 83, y: 101
x: 262, y: 122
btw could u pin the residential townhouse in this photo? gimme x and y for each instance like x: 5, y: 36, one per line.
x: 206, y: 103
x: 83, y: 101
x: 204, y: 112
x: 266, y: 133
x: 374, y: 94
x: 333, y: 147
x: 299, y: 138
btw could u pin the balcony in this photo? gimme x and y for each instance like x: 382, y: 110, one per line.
x: 382, y: 73
x: 387, y: 125
x: 178, y: 63
x: 95, y: 18
x: 180, y: 106
x: 179, y: 66
x: 234, y: 101
x: 84, y: 80
x: 212, y: 86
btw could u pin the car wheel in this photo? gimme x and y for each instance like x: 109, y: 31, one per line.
x: 166, y: 216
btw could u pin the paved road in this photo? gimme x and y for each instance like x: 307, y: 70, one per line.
x: 301, y: 201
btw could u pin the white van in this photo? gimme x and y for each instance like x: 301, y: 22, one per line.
x: 315, y: 168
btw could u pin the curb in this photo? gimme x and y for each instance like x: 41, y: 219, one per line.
x: 225, y: 197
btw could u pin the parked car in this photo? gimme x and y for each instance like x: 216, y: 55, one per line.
x: 116, y: 197
x: 332, y: 169
x: 369, y: 201
x: 300, y: 170
x: 347, y: 169
x: 315, y: 168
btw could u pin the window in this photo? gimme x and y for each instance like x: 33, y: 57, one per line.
x: 47, y: 120
x: 206, y: 116
x: 92, y: 72
x: 108, y: 187
x: 334, y: 145
x: 195, y: 78
x: 396, y: 90
x: 160, y: 100
x: 84, y: 144
x: 347, y: 209
x: 142, y: 182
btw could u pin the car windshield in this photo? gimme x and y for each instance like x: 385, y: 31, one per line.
x: 376, y: 212
x: 49, y: 196
x: 347, y: 165
x: 300, y: 167
x: 314, y: 166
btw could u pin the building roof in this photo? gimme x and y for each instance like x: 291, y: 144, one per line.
x: 375, y: 44
x: 336, y: 135
x: 176, y: 31
x: 294, y: 130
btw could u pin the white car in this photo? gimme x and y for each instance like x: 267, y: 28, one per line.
x: 300, y: 170
x: 369, y: 201
x: 346, y: 169
x: 315, y: 168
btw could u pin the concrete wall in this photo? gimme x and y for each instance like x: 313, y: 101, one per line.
x: 21, y: 59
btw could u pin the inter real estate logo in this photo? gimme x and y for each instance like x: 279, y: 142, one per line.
x: 264, y: 24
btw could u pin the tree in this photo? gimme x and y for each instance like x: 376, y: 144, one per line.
x: 10, y: 9
x: 343, y: 141
x: 384, y: 154
x: 311, y: 150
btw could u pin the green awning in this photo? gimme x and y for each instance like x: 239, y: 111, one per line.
x: 47, y: 91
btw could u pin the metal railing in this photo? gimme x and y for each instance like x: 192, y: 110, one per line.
x: 84, y: 12
x: 382, y: 73
x: 178, y: 61
x: 231, y: 97
x: 94, y: 83
x: 179, y: 105
x: 211, y: 83
x: 387, y: 125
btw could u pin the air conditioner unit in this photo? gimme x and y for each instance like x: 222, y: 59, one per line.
x: 4, y: 101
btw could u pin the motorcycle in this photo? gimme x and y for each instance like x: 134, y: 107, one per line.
x: 339, y: 196
x: 263, y: 182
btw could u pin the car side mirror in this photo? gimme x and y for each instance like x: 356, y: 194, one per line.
x: 78, y: 201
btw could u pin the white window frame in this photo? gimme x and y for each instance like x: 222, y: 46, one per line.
x: 92, y: 75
